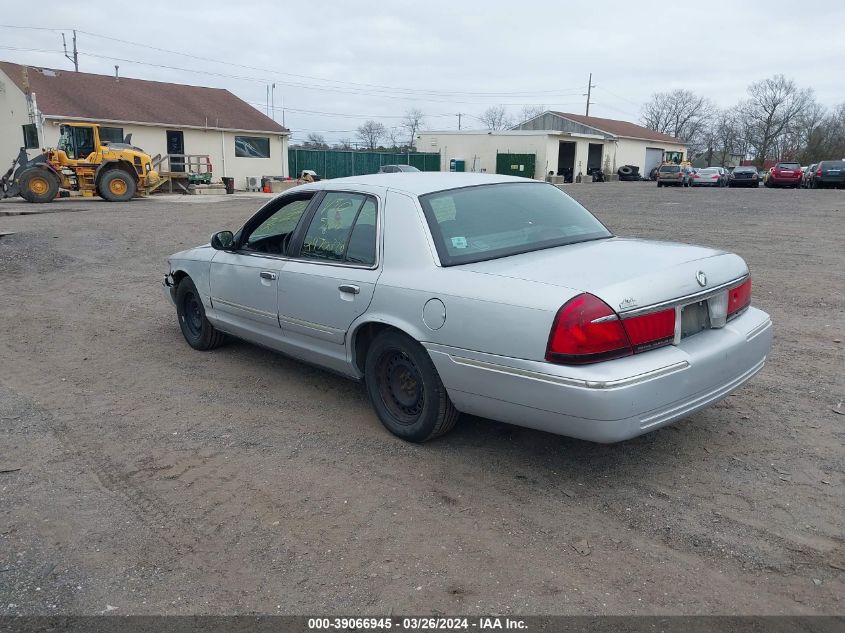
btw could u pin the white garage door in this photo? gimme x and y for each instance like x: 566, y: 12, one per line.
x: 653, y: 158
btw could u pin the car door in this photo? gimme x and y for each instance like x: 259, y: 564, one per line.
x: 244, y: 281
x: 330, y: 281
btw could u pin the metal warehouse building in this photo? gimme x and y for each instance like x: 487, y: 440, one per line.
x: 557, y: 142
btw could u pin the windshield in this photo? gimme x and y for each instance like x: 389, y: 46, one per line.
x: 474, y: 224
x: 407, y: 168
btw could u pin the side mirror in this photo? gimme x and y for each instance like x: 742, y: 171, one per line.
x: 222, y: 240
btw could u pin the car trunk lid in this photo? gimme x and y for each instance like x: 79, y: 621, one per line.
x: 628, y: 274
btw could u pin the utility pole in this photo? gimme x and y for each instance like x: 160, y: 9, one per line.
x: 273, y: 102
x: 460, y: 114
x: 75, y: 57
x: 267, y: 102
x: 590, y: 86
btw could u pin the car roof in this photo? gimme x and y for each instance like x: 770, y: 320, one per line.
x: 416, y: 183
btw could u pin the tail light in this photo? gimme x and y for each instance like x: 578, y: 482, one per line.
x: 818, y: 172
x: 651, y: 330
x: 739, y: 297
x: 587, y: 330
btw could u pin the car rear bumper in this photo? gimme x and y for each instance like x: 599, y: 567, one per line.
x: 614, y: 400
x: 785, y: 181
x: 705, y: 183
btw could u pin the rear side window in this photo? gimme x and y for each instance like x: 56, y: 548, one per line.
x: 343, y: 229
x: 475, y: 224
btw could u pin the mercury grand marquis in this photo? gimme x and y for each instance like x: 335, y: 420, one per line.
x: 495, y: 296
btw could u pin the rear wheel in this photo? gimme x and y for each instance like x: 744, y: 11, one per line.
x: 117, y: 185
x: 405, y: 389
x: 38, y: 185
x: 197, y: 330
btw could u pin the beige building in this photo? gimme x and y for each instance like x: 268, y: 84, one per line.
x: 560, y: 143
x: 163, y: 118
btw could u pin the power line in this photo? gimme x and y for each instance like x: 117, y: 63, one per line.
x: 376, y: 87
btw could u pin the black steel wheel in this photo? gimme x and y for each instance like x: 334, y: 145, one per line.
x: 196, y: 328
x: 405, y: 389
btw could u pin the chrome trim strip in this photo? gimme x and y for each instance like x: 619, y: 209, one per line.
x: 312, y: 326
x: 238, y: 306
x: 571, y: 382
x: 696, y: 296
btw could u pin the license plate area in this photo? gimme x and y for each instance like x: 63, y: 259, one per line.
x: 695, y: 317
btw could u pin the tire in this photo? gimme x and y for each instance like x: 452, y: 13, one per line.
x: 116, y: 185
x: 38, y: 185
x: 625, y: 170
x: 659, y: 185
x: 197, y: 330
x: 405, y: 389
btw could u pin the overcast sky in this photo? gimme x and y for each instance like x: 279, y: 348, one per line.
x: 361, y: 60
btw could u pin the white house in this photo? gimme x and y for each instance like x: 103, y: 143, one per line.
x: 163, y: 118
x: 553, y: 142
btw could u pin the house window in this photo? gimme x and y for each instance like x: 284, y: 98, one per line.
x: 111, y: 134
x: 30, y: 136
x: 252, y: 147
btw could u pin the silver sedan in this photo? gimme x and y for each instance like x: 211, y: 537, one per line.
x: 495, y: 296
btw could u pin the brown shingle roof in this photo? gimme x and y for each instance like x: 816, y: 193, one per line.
x: 620, y: 128
x: 62, y: 93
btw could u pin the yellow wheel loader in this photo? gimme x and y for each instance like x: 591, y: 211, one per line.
x: 81, y: 162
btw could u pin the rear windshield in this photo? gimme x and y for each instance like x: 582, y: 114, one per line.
x: 742, y: 170
x: 474, y: 224
x: 670, y: 168
x: 407, y: 168
x: 832, y: 164
x: 708, y: 170
x: 789, y: 166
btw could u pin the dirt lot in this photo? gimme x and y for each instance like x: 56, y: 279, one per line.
x: 156, y: 479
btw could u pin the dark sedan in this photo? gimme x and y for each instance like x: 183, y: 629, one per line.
x: 744, y: 177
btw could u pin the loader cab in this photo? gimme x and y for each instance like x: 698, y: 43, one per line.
x: 78, y: 141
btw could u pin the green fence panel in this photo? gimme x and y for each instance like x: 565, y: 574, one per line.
x: 340, y: 163
x: 516, y: 164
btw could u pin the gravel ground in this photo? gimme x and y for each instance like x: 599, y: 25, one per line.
x: 141, y: 477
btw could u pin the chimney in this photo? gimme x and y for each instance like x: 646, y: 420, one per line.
x: 116, y: 75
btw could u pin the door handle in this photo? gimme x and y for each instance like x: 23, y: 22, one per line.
x: 266, y: 274
x: 350, y: 288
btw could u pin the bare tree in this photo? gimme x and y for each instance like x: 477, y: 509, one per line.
x: 316, y: 141
x: 412, y: 123
x: 395, y: 137
x: 371, y: 133
x: 773, y: 107
x: 496, y: 118
x: 344, y: 143
x: 681, y: 113
x: 531, y: 111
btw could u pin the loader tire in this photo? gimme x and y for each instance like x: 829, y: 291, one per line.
x: 116, y: 185
x: 38, y: 185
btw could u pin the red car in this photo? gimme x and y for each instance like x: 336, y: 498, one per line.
x: 785, y: 175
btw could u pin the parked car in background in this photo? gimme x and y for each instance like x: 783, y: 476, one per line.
x: 710, y: 177
x: 744, y: 177
x: 784, y: 174
x: 807, y: 178
x: 494, y: 296
x: 395, y: 169
x: 829, y: 173
x: 674, y: 175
